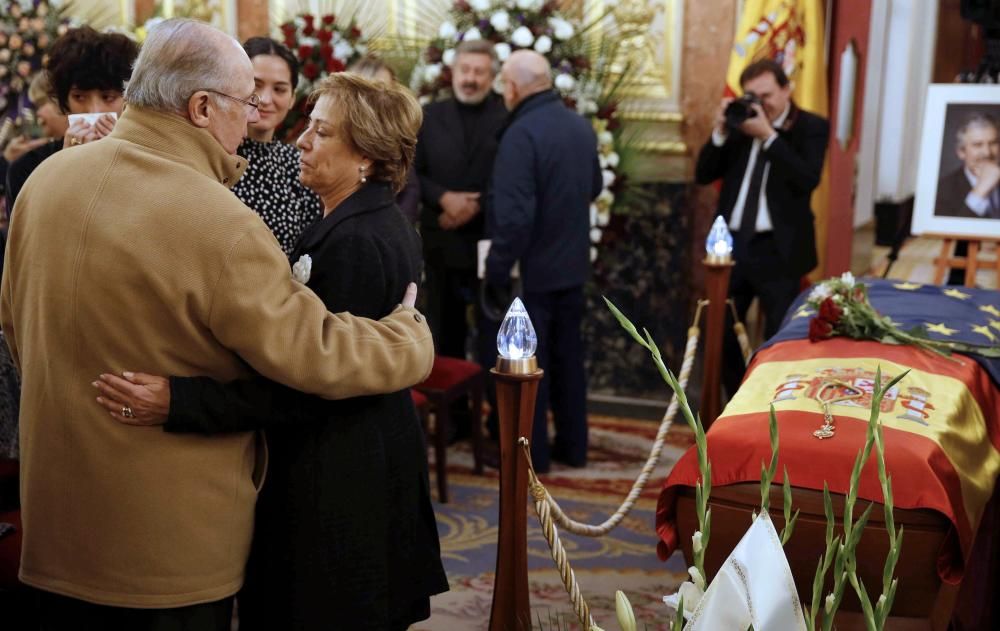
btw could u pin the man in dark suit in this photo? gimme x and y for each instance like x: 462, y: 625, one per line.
x: 769, y: 166
x: 971, y: 190
x: 455, y: 152
x: 545, y: 176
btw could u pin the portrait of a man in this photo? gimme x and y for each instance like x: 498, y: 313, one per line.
x: 970, y: 188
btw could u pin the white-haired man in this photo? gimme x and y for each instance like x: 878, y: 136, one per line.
x: 133, y: 252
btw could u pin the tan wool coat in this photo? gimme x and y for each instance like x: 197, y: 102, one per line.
x: 131, y: 254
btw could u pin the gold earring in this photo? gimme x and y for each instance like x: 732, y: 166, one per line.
x: 361, y: 170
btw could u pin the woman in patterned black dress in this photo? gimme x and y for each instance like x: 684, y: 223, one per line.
x: 271, y: 184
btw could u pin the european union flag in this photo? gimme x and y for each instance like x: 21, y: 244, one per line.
x: 950, y: 314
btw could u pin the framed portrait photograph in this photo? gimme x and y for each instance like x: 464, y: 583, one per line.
x: 958, y: 180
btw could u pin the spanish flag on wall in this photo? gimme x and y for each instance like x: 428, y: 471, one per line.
x: 791, y: 32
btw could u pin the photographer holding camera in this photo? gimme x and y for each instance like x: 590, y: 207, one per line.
x: 769, y: 155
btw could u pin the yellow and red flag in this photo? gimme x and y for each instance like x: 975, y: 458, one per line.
x: 791, y: 32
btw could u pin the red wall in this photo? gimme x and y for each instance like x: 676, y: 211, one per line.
x: 850, y: 21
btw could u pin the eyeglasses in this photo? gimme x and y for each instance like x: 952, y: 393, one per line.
x: 253, y: 101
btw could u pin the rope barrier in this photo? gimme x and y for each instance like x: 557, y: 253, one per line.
x: 741, y: 334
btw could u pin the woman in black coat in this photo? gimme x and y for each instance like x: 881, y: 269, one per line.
x: 345, y: 536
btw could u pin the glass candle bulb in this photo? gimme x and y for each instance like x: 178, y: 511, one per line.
x: 517, y: 339
x: 719, y: 243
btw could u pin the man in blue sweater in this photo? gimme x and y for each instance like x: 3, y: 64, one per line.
x: 545, y: 175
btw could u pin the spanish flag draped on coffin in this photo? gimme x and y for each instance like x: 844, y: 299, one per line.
x: 941, y: 422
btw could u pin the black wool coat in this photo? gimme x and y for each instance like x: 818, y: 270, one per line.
x: 796, y: 157
x: 345, y: 534
x: 448, y: 161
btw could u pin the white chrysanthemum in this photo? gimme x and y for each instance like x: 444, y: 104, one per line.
x: 603, y: 218
x: 608, y: 177
x: 472, y: 34
x: 565, y: 82
x: 595, y: 235
x: 543, y: 44
x: 447, y: 30
x: 605, y: 197
x: 432, y: 72
x: 502, y: 50
x: 500, y: 20
x: 479, y: 5
x: 605, y: 138
x: 613, y: 160
x: 561, y: 29
x: 522, y: 36
x: 343, y: 51
x: 448, y: 57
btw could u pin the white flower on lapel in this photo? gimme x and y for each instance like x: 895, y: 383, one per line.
x: 302, y: 269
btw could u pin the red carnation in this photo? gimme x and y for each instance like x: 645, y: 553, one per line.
x: 829, y: 311
x: 310, y: 71
x: 335, y: 65
x: 819, y: 329
x: 324, y: 36
x: 305, y: 51
x: 329, y: 18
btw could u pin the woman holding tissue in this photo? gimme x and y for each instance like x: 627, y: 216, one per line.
x: 87, y: 72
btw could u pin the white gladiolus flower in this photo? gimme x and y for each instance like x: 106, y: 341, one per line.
x: 479, y: 5
x: 623, y: 610
x: 847, y: 278
x: 828, y: 605
x: 692, y: 595
x: 565, y: 82
x: 500, y: 20
x: 613, y: 160
x: 696, y: 576
x: 471, y: 34
x: 448, y: 57
x: 447, y: 30
x: 432, y: 72
x: 696, y: 542
x: 502, y: 50
x: 543, y: 44
x: 595, y: 235
x: 522, y: 36
x: 603, y: 218
x: 609, y: 178
x: 561, y: 29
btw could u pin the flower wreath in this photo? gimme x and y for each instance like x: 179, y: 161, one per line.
x: 323, y: 46
x: 541, y: 26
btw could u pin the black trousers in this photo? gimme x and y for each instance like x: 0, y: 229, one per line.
x: 62, y: 613
x: 557, y: 317
x: 759, y: 272
x: 450, y: 292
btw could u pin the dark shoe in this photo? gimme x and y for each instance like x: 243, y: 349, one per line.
x: 561, y: 455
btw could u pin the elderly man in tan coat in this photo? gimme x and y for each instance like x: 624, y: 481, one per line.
x: 131, y: 251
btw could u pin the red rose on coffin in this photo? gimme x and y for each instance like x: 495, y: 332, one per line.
x: 329, y: 18
x: 304, y: 52
x: 829, y: 311
x: 335, y: 65
x: 288, y: 29
x: 308, y: 30
x: 310, y: 71
x: 819, y: 330
x: 326, y: 52
x: 309, y: 19
x: 324, y: 36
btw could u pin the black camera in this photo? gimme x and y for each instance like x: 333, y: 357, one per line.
x: 739, y: 110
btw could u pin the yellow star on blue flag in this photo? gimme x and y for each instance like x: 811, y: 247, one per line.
x: 995, y: 324
x: 941, y: 328
x: 984, y: 330
x: 954, y: 293
x: 804, y: 313
x: 907, y: 286
x: 990, y: 309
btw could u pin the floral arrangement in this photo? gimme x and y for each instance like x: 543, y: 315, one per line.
x: 27, y: 30
x: 581, y: 75
x: 323, y: 45
x: 842, y: 308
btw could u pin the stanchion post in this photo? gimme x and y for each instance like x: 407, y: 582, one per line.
x: 517, y: 376
x: 718, y: 266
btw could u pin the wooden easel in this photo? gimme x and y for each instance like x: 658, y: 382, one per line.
x: 971, y: 263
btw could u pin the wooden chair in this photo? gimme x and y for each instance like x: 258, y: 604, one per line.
x: 450, y: 380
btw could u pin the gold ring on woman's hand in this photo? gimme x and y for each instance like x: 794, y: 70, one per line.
x: 127, y: 412
x: 74, y: 141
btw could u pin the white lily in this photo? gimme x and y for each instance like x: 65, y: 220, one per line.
x: 623, y: 609
x: 847, y: 278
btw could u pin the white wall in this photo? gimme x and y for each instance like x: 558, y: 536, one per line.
x: 899, y: 67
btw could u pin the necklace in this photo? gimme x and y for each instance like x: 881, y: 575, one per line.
x: 828, y: 429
